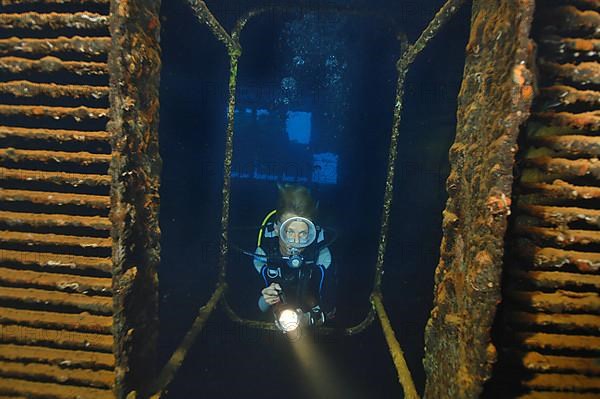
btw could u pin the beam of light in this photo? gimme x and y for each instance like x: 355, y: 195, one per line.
x: 320, y: 374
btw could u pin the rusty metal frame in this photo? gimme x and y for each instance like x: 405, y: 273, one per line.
x: 494, y: 101
x: 234, y: 50
x: 134, y: 67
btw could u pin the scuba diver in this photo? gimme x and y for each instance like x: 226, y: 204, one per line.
x: 295, y: 263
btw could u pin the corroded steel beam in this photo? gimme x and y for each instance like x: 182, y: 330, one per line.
x: 536, y: 129
x: 34, y: 389
x: 63, y: 178
x: 548, y: 257
x: 566, y: 322
x: 569, y: 45
x: 81, y: 157
x: 134, y: 64
x: 570, y: 145
x: 56, y: 313
x: 561, y: 168
x: 548, y: 323
x: 50, y: 64
x: 69, y: 2
x: 557, y: 190
x: 93, y: 304
x: 563, y: 382
x: 57, y: 374
x: 557, y: 302
x: 70, y: 358
x: 539, y: 362
x: 28, y: 238
x: 567, y: 95
x: 56, y: 281
x: 88, y: 47
x: 53, y: 134
x: 538, y: 341
x: 553, y: 279
x: 558, y: 237
x: 395, y: 349
x: 568, y: 18
x: 493, y: 102
x: 51, y: 260
x: 23, y: 88
x: 54, y: 220
x: 584, y: 73
x: 54, y: 198
x: 560, y: 216
x: 49, y: 21
x: 556, y: 395
x: 39, y: 111
x: 56, y: 338
x: 584, y: 121
x: 82, y: 322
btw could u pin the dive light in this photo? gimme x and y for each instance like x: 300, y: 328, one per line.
x: 288, y: 320
x: 286, y: 317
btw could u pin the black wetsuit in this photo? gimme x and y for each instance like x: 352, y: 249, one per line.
x: 310, y: 287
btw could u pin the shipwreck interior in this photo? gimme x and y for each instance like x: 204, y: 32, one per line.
x: 333, y: 67
x: 453, y: 145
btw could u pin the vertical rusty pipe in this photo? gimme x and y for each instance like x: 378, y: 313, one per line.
x: 234, y: 54
x: 134, y: 67
x: 493, y: 102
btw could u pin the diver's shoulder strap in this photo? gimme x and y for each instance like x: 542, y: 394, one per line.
x: 324, y: 258
x: 269, y: 230
x: 320, y: 236
x: 258, y: 262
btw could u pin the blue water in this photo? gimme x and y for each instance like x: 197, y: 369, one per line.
x: 314, y: 107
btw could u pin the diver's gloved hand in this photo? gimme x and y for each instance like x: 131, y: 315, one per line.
x: 314, y: 317
x: 304, y: 318
x: 271, y: 293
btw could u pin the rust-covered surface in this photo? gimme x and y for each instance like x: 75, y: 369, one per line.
x: 494, y: 101
x: 47, y: 22
x: 134, y: 66
x: 79, y: 198
x: 52, y: 65
x: 548, y: 329
x: 79, y: 203
x: 56, y: 304
x: 85, y: 47
x: 24, y: 88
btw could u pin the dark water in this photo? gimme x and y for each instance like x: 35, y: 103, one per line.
x: 314, y: 107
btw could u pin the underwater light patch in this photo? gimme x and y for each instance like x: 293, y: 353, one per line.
x: 325, y: 168
x: 298, y: 126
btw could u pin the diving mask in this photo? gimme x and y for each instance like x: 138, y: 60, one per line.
x: 298, y: 232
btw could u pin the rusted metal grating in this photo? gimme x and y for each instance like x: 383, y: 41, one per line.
x: 56, y: 303
x: 549, y: 326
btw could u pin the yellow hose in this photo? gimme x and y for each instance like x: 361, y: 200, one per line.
x: 262, y: 225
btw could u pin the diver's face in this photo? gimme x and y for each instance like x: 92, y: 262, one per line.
x: 296, y: 232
